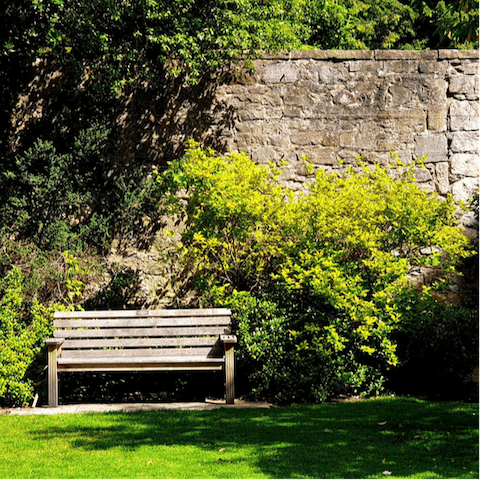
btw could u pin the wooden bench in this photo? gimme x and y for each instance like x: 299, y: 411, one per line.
x: 141, y: 340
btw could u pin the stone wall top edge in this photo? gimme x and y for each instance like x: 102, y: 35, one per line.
x: 460, y: 54
x: 373, y: 55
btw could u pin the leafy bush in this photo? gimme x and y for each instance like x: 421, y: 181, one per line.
x: 22, y: 331
x: 33, y: 284
x: 317, y: 280
x: 70, y: 200
x: 437, y: 348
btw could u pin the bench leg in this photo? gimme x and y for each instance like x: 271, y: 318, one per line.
x: 229, y: 373
x: 52, y: 377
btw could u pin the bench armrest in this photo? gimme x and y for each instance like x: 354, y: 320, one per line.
x: 54, y: 341
x: 228, y: 338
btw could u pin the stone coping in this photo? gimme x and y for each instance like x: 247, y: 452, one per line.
x: 374, y: 55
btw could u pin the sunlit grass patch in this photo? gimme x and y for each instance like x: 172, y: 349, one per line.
x: 390, y: 437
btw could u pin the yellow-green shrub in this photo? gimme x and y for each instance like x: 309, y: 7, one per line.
x: 27, y: 303
x: 316, y: 279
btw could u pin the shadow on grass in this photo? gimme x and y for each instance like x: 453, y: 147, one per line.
x: 397, y: 437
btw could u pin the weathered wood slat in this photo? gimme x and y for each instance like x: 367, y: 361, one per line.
x: 133, y: 353
x: 202, y: 312
x: 142, y: 322
x: 141, y: 342
x: 141, y: 332
x: 139, y: 360
x: 144, y: 367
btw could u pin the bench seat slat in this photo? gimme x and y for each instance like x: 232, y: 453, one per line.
x: 139, y: 360
x: 142, y: 322
x: 133, y: 353
x: 203, y: 312
x: 141, y: 332
x: 136, y: 367
x: 141, y: 342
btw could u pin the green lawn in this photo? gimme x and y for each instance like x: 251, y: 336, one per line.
x: 388, y: 437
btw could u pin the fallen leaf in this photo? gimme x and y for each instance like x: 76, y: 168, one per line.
x: 416, y: 437
x: 221, y: 450
x: 384, y: 460
x: 327, y: 430
x: 149, y: 462
x: 382, y: 423
x: 386, y: 472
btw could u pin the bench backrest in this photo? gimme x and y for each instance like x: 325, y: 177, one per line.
x: 142, y: 332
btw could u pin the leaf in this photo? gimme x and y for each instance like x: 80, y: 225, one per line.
x: 221, y: 450
x: 327, y: 430
x: 416, y: 437
x: 382, y: 423
x: 386, y: 472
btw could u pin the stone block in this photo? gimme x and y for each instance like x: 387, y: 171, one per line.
x: 304, y: 138
x: 298, y: 100
x: 434, y: 90
x: 402, y: 66
x: 464, y: 189
x: 408, y: 120
x: 432, y: 66
x: 433, y: 144
x: 246, y: 127
x: 322, y: 156
x: 345, y: 98
x: 463, y: 84
x: 247, y: 114
x: 457, y: 54
x: 363, y: 66
x: 464, y: 142
x: 401, y: 95
x: 464, y: 164
x: 292, y: 111
x: 282, y: 72
x: 441, y: 177
x: 331, y: 55
x: 264, y: 154
x: 406, y: 55
x: 463, y: 115
x: 348, y: 140
x: 428, y: 186
x: 332, y: 74
x: 278, y: 140
x: 422, y: 174
x: 437, y: 118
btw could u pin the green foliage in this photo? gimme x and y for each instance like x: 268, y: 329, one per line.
x: 126, y: 43
x: 451, y: 23
x: 68, y: 200
x: 437, y: 347
x: 33, y: 284
x: 317, y: 279
x: 23, y: 330
x: 353, y: 24
x: 136, y: 40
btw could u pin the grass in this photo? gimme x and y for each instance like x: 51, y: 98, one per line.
x: 387, y: 437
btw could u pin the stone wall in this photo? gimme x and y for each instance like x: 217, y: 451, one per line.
x: 336, y: 104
